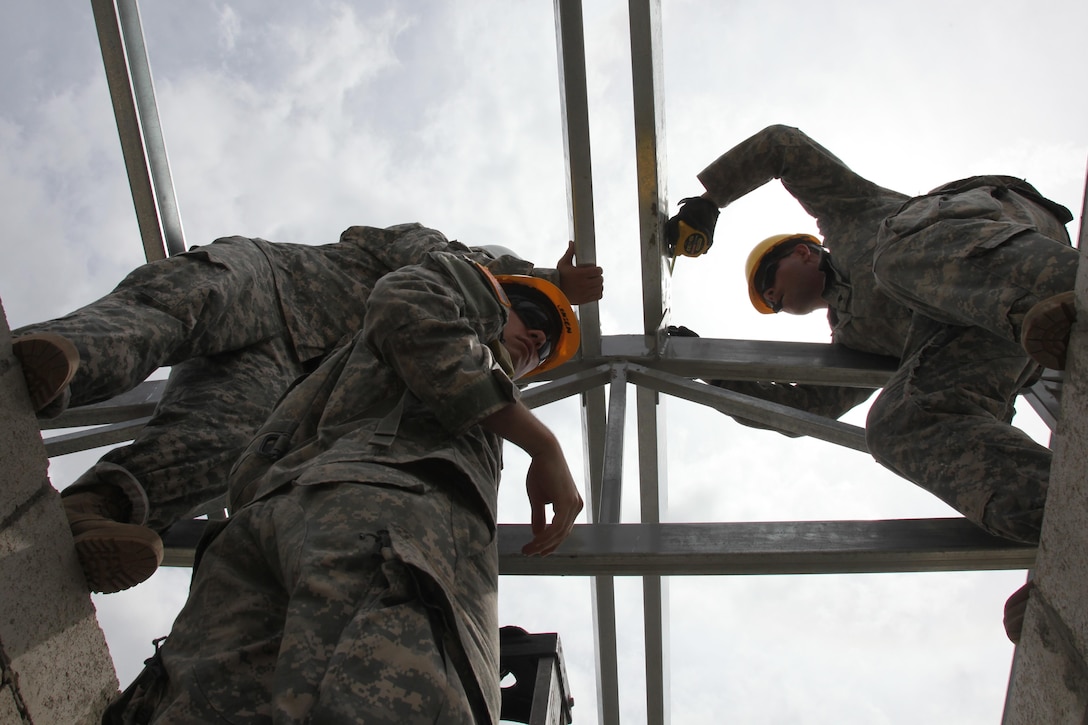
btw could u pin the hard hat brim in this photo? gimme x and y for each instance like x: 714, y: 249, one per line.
x: 569, y: 336
x: 755, y: 259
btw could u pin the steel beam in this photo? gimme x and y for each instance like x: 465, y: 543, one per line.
x: 1045, y: 397
x: 648, y: 93
x: 797, y: 547
x: 611, y: 494
x: 745, y: 548
x: 774, y: 415
x: 653, y: 504
x: 139, y: 402
x: 573, y: 384
x: 703, y: 358
x: 128, y: 76
x: 574, y: 105
x: 574, y: 102
x: 85, y: 440
x: 719, y: 359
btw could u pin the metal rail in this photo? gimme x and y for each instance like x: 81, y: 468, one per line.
x: 731, y: 549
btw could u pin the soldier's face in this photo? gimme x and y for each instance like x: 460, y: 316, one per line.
x: 797, y: 283
x: 523, y: 344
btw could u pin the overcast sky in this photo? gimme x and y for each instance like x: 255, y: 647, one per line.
x: 291, y: 121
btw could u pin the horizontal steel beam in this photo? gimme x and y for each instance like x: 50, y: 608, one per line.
x: 703, y: 358
x: 689, y: 358
x: 709, y: 549
x: 139, y: 402
x: 85, y: 440
x: 1045, y: 397
x: 768, y: 360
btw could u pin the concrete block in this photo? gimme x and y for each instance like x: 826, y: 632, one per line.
x: 1050, y: 674
x: 56, y: 666
x: 49, y: 636
x: 22, y: 453
x: 9, y: 708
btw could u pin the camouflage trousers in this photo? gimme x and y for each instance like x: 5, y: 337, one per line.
x: 943, y: 421
x: 340, y: 603
x: 970, y: 265
x: 214, y: 315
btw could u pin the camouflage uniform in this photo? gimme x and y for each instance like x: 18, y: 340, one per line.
x: 356, y: 581
x: 941, y: 282
x: 237, y: 320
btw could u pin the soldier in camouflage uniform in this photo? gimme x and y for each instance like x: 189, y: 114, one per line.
x: 943, y: 282
x: 356, y: 579
x: 238, y: 320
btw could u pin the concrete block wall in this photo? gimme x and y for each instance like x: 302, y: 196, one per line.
x: 1049, y: 683
x: 56, y: 666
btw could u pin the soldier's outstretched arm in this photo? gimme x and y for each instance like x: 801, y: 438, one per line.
x: 549, y: 480
x: 818, y: 179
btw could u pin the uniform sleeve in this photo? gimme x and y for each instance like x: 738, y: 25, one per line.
x: 397, y: 246
x: 416, y: 324
x: 827, y: 400
x: 408, y: 244
x: 509, y: 264
x: 820, y: 182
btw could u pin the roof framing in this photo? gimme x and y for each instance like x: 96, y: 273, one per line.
x: 657, y: 366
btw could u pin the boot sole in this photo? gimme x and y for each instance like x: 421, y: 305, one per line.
x: 1015, y: 608
x: 49, y: 363
x: 1046, y: 328
x: 113, y: 563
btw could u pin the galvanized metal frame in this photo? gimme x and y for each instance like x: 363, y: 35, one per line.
x: 655, y: 364
x: 574, y: 105
x: 737, y: 548
x: 128, y: 74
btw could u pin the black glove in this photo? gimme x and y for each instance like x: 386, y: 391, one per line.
x: 691, y: 231
x: 680, y: 331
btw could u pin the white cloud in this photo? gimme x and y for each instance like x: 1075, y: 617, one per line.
x: 293, y: 121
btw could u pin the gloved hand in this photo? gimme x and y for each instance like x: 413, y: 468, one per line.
x: 691, y: 231
x: 680, y: 331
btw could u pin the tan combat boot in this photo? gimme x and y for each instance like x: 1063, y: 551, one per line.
x: 1015, y: 609
x: 1045, y: 332
x: 114, y: 555
x: 49, y: 361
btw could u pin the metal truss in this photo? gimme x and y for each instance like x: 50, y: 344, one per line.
x: 655, y: 365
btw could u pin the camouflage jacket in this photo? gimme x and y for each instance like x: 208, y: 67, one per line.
x: 400, y: 405
x: 323, y: 289
x: 402, y: 400
x: 848, y: 210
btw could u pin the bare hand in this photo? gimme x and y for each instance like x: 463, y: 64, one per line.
x: 549, y: 482
x: 581, y: 283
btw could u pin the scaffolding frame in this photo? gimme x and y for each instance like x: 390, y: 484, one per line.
x: 656, y: 365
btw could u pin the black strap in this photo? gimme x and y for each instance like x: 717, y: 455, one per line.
x: 137, y: 704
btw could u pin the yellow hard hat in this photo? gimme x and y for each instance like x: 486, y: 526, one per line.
x: 543, y: 306
x: 755, y: 259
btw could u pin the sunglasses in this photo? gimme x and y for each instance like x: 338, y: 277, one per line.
x: 764, y: 276
x: 538, y: 313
